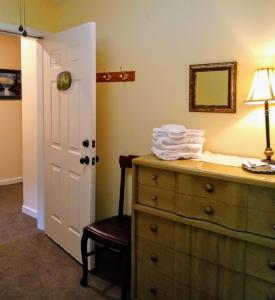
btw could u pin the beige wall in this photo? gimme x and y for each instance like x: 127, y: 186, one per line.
x: 10, y: 115
x: 40, y: 14
x: 159, y: 39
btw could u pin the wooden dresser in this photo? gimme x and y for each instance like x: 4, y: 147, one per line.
x: 202, y: 231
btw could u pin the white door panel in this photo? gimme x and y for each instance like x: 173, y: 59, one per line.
x: 69, y: 120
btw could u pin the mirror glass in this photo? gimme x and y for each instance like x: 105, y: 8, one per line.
x: 213, y: 87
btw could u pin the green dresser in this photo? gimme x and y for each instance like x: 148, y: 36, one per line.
x: 201, y: 231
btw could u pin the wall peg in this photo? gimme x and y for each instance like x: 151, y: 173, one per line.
x: 106, y: 76
x: 123, y: 75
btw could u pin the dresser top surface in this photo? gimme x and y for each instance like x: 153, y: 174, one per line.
x: 236, y: 174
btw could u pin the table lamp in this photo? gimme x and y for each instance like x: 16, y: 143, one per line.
x: 263, y: 92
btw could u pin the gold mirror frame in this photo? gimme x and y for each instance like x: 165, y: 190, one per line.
x: 231, y: 67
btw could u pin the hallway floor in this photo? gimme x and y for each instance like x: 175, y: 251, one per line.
x: 32, y: 266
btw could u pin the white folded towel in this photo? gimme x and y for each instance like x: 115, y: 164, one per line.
x: 175, y: 128
x: 190, y: 147
x: 178, y: 131
x: 195, y: 132
x: 166, y: 141
x: 160, y: 134
x: 173, y: 155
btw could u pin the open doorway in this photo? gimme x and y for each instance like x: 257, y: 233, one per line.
x: 21, y: 129
x: 10, y: 114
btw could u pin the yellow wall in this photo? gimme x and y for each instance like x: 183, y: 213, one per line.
x: 10, y: 115
x: 40, y: 14
x: 160, y: 39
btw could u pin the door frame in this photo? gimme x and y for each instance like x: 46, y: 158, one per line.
x: 39, y: 120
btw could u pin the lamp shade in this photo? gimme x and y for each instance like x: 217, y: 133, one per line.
x: 263, y: 87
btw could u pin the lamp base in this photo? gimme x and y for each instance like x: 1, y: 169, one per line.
x: 268, y: 152
x: 269, y: 161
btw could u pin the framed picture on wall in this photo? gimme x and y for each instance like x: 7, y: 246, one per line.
x: 10, y: 84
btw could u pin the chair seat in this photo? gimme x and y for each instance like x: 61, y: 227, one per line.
x: 114, y: 232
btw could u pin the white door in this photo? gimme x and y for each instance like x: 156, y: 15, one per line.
x: 69, y: 119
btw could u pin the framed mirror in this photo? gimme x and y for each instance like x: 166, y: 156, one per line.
x: 212, y: 87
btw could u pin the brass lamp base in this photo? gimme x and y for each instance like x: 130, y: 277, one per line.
x: 269, y: 153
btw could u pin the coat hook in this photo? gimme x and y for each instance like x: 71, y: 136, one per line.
x: 123, y: 74
x: 107, y: 76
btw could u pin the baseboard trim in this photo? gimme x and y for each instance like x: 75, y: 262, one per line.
x: 11, y: 180
x: 29, y: 211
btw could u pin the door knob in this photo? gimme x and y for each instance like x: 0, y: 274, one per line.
x: 86, y: 143
x: 85, y: 160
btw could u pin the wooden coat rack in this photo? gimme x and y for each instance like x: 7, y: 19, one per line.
x: 121, y: 76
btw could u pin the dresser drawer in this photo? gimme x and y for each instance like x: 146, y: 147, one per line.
x: 156, y: 229
x: 157, y: 258
x: 229, y: 192
x: 154, y: 285
x: 232, y: 253
x: 256, y: 289
x: 231, y: 285
x: 261, y: 222
x: 261, y: 198
x: 156, y: 197
x: 260, y: 262
x: 156, y: 178
x: 182, y: 268
x: 227, y: 252
x: 182, y: 292
x: 204, y: 245
x: 204, y: 277
x: 183, y: 238
x: 164, y: 260
x: 198, y: 295
x: 212, y: 210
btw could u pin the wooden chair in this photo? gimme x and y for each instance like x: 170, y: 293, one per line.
x: 113, y: 233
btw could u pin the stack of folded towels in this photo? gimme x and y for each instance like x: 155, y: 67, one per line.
x: 173, y: 141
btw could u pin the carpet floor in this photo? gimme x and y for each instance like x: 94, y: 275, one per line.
x: 32, y: 266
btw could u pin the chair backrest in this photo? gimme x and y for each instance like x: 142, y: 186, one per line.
x: 124, y: 162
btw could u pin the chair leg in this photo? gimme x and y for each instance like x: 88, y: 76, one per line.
x: 125, y: 275
x: 84, y: 241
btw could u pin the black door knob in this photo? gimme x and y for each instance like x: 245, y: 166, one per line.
x: 86, y: 143
x: 85, y: 160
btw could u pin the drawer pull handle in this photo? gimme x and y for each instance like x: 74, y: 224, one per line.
x: 208, y: 210
x: 154, y: 198
x: 154, y: 228
x: 209, y: 187
x: 154, y: 177
x: 154, y: 258
x: 153, y: 290
x: 271, y: 264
